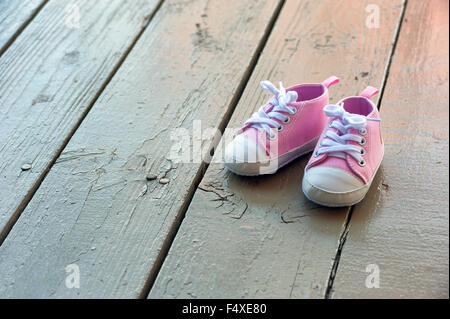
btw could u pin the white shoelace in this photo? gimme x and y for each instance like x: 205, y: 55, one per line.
x: 334, y: 143
x: 280, y: 101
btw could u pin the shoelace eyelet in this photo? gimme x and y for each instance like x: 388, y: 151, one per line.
x: 363, y: 152
x: 280, y: 128
x: 264, y: 119
x: 363, y: 141
x: 287, y: 121
x: 316, y: 154
x: 363, y: 131
x: 362, y: 163
x: 272, y: 136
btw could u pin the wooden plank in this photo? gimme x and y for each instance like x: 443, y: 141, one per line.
x: 402, y: 227
x: 14, y: 17
x: 260, y: 237
x: 95, y: 208
x: 49, y: 78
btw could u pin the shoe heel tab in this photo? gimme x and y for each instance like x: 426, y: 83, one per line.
x: 369, y: 91
x: 330, y: 81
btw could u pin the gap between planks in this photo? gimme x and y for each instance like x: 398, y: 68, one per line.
x: 346, y: 227
x: 11, y: 222
x: 204, y: 166
x: 20, y: 30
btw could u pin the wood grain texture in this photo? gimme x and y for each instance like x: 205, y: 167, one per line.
x: 14, y: 16
x: 260, y: 237
x: 48, y: 79
x: 403, y: 226
x: 95, y: 208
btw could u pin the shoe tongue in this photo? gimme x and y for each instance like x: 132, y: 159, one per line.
x: 338, y: 159
x: 335, y: 130
x: 269, y: 106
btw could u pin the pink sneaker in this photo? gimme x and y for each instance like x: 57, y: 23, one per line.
x: 348, y: 154
x: 287, y: 127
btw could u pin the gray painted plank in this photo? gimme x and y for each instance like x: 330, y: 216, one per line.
x: 48, y: 79
x: 260, y: 237
x: 402, y: 228
x: 14, y: 16
x: 95, y: 207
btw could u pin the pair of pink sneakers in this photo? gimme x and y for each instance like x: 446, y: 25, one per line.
x: 345, y: 140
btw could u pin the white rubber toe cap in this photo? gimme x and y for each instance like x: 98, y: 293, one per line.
x: 333, y: 179
x: 244, y: 150
x: 332, y: 186
x: 244, y: 157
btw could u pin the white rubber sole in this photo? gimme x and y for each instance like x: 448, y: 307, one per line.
x: 272, y: 166
x: 337, y: 199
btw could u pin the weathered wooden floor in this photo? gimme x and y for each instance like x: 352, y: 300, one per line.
x: 91, y: 93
